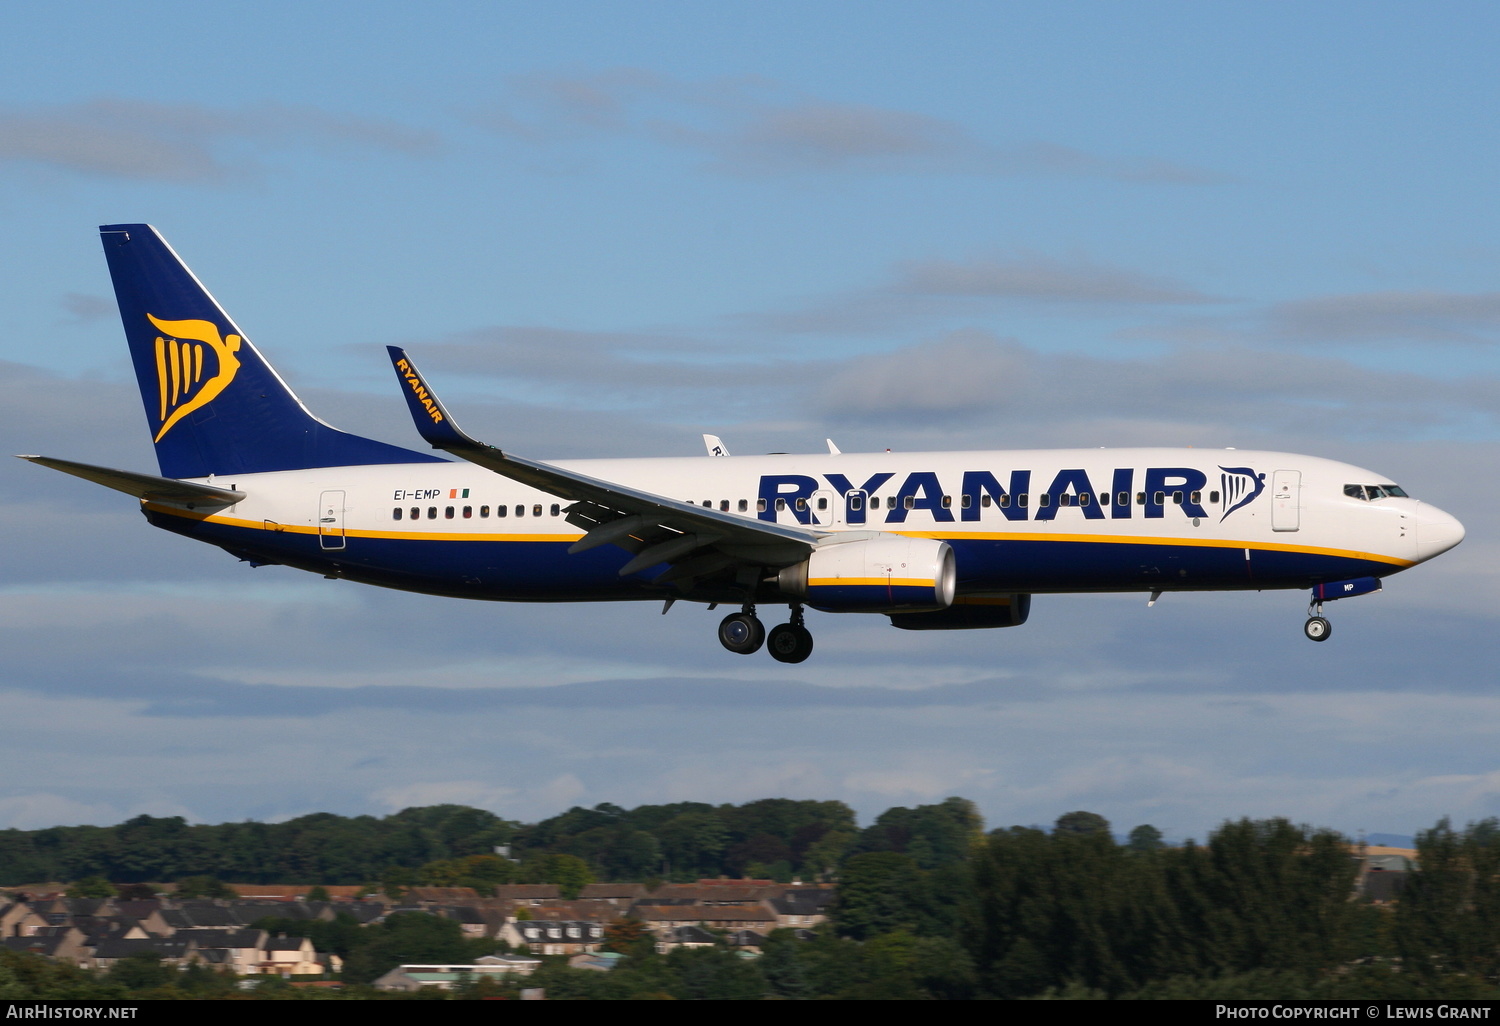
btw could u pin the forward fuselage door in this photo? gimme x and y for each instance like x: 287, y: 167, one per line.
x: 827, y: 510
x: 331, y: 520
x: 1286, y: 500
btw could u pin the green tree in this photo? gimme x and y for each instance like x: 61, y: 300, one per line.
x: 879, y: 892
x: 204, y: 887
x: 1081, y: 823
x: 92, y: 887
x: 1146, y: 838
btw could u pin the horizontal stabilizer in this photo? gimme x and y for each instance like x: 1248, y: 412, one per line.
x: 144, y: 486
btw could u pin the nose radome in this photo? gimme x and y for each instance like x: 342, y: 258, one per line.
x: 1437, y: 532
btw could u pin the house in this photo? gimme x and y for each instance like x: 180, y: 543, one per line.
x: 554, y: 937
x: 685, y: 937
x: 662, y: 919
x: 448, y: 976
x: 290, y: 956
x: 240, y: 951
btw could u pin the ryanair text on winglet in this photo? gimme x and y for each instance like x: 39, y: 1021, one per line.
x: 420, y: 391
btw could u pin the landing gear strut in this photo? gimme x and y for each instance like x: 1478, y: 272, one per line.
x: 791, y: 642
x: 1317, y: 628
x: 742, y: 632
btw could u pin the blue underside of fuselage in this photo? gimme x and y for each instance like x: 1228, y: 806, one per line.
x: 543, y: 571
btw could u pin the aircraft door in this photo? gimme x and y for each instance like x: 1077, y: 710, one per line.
x: 1286, y: 500
x: 331, y: 520
x: 855, y: 503
x: 826, y: 509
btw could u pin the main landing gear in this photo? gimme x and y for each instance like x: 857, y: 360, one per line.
x: 1317, y: 628
x: 743, y: 633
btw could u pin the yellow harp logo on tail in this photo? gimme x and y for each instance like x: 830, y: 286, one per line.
x: 182, y: 350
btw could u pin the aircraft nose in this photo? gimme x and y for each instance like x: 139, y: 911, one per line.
x: 1437, y: 532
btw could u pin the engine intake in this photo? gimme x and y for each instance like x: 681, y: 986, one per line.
x: 887, y: 574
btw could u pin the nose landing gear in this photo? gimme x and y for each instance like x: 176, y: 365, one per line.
x: 1317, y: 627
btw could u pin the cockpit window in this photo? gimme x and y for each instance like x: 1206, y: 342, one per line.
x: 1374, y: 491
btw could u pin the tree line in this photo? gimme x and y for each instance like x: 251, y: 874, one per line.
x: 454, y: 845
x: 931, y: 906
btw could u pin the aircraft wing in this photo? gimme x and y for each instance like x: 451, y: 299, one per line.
x: 696, y: 540
x: 145, y: 486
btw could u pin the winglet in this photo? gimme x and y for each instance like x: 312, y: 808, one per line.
x: 434, y: 423
x: 715, y: 445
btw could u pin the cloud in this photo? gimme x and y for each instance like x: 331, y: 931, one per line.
x: 186, y: 142
x: 1452, y: 318
x: 971, y: 376
x: 1041, y: 278
x: 475, y: 793
x: 751, y: 127
x: 85, y: 309
x: 927, y: 291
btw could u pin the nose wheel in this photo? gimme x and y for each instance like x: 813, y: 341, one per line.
x: 1317, y: 627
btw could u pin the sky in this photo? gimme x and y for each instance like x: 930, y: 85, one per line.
x: 603, y: 229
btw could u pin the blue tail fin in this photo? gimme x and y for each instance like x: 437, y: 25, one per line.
x: 214, y: 405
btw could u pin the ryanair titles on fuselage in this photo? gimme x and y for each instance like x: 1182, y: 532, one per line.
x: 1131, y: 493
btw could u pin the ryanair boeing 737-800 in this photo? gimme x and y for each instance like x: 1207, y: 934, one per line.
x: 934, y: 541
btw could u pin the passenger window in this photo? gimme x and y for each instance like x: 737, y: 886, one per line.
x: 1196, y: 498
x: 911, y: 502
x: 1123, y: 498
x: 448, y: 512
x: 1140, y: 498
x: 501, y: 511
x: 520, y: 511
x: 966, y: 501
x: 1004, y: 501
x: 1213, y: 498
x: 396, y: 513
x: 416, y: 512
x: 823, y: 502
x: 890, y: 502
x: 780, y: 505
x: 723, y: 505
x: 484, y: 512
x: 431, y: 512
x: 947, y: 502
x: 760, y: 505
x: 556, y: 509
x: 1044, y: 500
x: 984, y: 500
x: 801, y: 504
x: 468, y: 512
x: 1159, y: 498
x: 1023, y: 499
x: 1083, y: 498
x: 856, y: 502
x: 708, y: 504
x: 744, y: 505
x: 536, y: 510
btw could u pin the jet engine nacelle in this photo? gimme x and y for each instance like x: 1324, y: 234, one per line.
x: 969, y: 613
x: 886, y: 574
